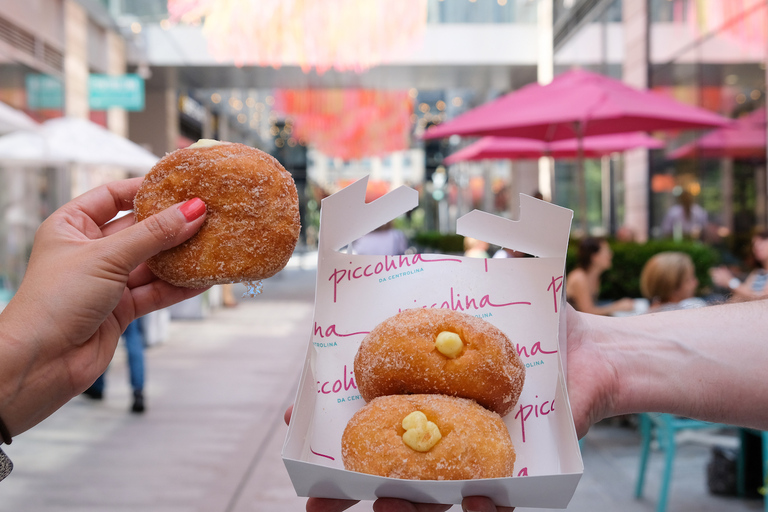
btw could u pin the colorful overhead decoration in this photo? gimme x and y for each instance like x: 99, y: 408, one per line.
x: 348, y: 123
x: 742, y: 21
x: 346, y: 35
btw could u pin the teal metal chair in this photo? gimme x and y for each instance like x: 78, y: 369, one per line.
x: 764, y: 489
x: 741, y: 467
x: 664, y: 427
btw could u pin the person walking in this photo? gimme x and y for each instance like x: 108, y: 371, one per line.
x: 134, y: 346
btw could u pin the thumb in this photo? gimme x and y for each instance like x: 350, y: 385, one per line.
x: 159, y: 232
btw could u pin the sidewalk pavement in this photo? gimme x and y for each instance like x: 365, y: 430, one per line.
x: 211, y: 438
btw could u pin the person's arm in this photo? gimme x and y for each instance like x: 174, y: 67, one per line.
x: 722, y: 277
x: 85, y: 282
x: 706, y: 363
x: 581, y: 298
x: 744, y: 291
x: 740, y: 291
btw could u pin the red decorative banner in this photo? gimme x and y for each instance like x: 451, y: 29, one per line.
x: 742, y: 21
x: 349, y: 123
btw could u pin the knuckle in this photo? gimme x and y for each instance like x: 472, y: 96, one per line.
x: 155, y: 298
x: 160, y: 228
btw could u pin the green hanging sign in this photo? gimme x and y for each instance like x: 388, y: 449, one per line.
x: 104, y: 91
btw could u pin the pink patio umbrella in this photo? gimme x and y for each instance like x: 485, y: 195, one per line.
x: 519, y: 148
x: 577, y: 104
x: 745, y: 138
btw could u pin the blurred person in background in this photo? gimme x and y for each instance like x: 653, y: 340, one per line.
x: 384, y: 240
x: 474, y: 248
x: 686, y: 219
x: 668, y: 280
x: 626, y: 234
x: 582, y: 284
x: 134, y: 346
x: 509, y: 253
x: 755, y: 286
x: 228, y: 295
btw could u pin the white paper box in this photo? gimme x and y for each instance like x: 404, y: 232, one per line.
x: 521, y: 296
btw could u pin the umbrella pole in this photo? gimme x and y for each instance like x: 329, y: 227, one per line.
x: 580, y: 178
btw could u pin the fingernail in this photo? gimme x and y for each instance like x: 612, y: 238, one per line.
x: 192, y: 209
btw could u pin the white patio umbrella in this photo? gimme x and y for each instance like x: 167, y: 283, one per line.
x: 69, y: 140
x: 12, y: 120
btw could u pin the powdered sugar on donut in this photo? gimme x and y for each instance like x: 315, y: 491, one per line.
x: 475, y: 442
x: 399, y: 357
x: 252, y: 222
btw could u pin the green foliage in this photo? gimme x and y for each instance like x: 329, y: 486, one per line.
x: 623, y: 278
x: 434, y: 241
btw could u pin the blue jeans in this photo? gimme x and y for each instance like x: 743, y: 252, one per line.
x: 134, y: 345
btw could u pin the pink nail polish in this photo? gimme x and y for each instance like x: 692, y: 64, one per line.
x: 192, y: 209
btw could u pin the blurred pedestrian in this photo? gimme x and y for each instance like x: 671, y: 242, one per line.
x: 668, y: 280
x: 686, y: 219
x: 505, y: 252
x: 582, y: 284
x: 134, y: 346
x: 755, y: 286
x: 228, y: 295
x: 474, y: 248
x: 385, y: 240
x: 626, y: 234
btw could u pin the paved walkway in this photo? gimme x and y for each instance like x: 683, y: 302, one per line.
x: 211, y: 438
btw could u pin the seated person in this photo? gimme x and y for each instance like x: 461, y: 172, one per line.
x: 582, y: 284
x: 755, y: 286
x: 385, y: 240
x: 474, y: 248
x: 669, y: 282
x: 509, y: 253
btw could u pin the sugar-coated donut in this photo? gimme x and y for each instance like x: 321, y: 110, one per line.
x: 474, y: 442
x: 252, y: 222
x: 399, y: 357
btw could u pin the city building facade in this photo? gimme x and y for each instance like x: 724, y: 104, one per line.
x: 711, y: 54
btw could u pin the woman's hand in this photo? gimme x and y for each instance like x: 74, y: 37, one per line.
x: 625, y: 304
x: 591, y: 395
x: 470, y: 503
x: 721, y: 276
x: 85, y: 282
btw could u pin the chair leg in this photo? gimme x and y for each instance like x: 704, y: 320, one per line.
x: 669, y: 460
x: 741, y: 463
x: 765, y: 471
x: 645, y: 447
